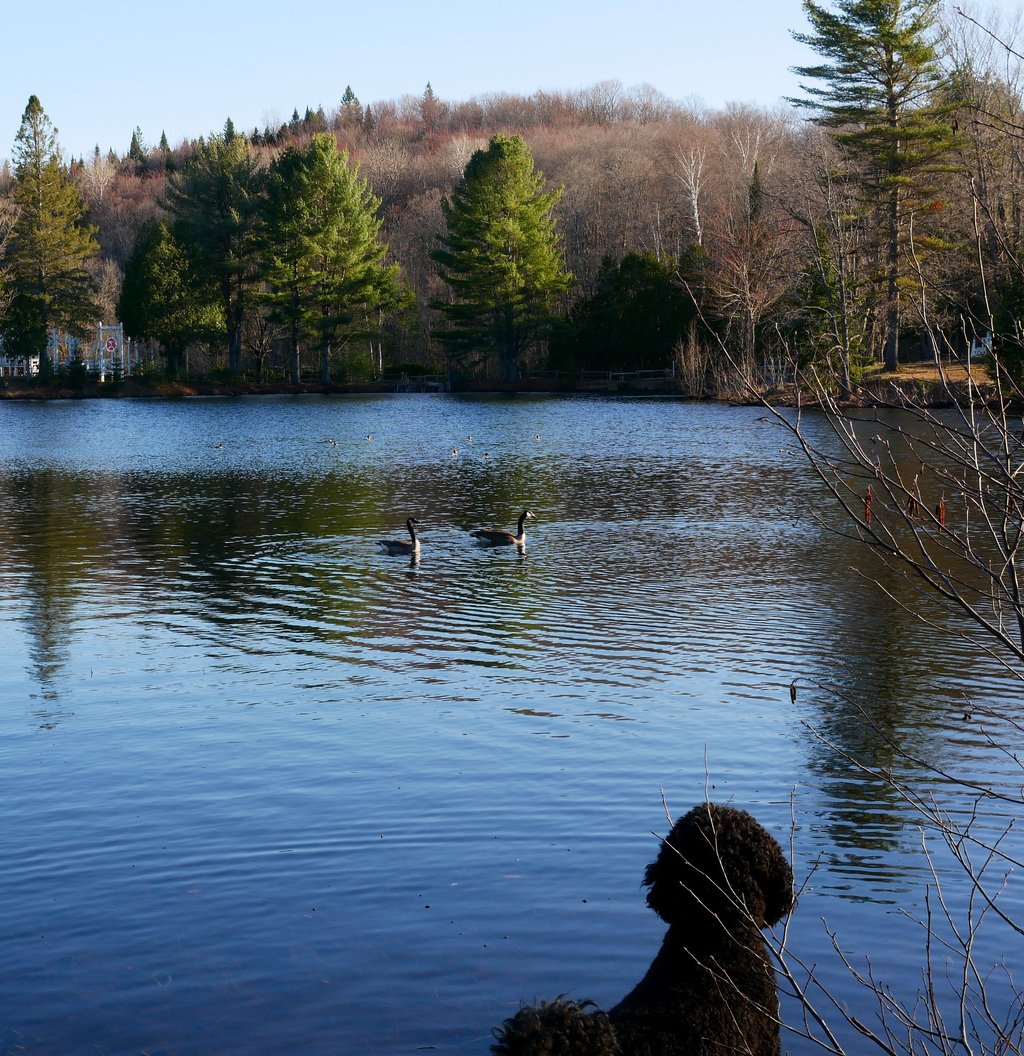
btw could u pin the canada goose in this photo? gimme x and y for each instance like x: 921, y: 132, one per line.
x: 497, y: 537
x: 400, y: 546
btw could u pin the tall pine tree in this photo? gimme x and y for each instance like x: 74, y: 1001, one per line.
x: 49, y: 246
x: 215, y: 200
x: 323, y: 259
x: 162, y: 299
x: 137, y: 148
x: 350, y: 113
x: 875, y: 93
x: 501, y: 256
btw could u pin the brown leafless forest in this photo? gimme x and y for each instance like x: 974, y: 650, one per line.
x: 759, y: 197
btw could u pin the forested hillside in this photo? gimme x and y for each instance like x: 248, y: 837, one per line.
x: 849, y: 229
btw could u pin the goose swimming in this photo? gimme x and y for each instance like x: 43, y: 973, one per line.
x: 400, y: 546
x: 498, y: 537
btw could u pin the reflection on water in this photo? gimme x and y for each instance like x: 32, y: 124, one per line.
x: 272, y: 786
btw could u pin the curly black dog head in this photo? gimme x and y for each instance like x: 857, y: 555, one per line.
x: 720, y: 861
x: 556, y: 1028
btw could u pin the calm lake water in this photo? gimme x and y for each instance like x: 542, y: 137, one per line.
x: 267, y: 790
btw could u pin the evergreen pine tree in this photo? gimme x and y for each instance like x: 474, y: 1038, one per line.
x: 635, y: 318
x: 500, y: 255
x: 49, y: 246
x: 755, y: 195
x: 136, y: 149
x: 875, y: 94
x: 351, y: 112
x: 430, y: 109
x: 215, y: 199
x: 324, y: 261
x: 162, y: 298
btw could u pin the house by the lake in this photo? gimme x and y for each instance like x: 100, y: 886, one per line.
x: 107, y: 353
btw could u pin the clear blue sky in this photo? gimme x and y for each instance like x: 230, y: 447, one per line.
x: 101, y: 69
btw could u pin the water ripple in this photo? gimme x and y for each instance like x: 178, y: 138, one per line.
x: 249, y: 761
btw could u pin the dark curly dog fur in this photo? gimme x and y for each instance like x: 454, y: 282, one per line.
x: 556, y: 1027
x: 719, y: 878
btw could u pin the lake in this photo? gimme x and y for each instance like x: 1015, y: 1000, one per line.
x: 269, y: 790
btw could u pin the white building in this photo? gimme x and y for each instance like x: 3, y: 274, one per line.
x: 107, y: 354
x: 17, y: 366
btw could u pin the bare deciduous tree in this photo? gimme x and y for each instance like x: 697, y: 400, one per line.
x: 96, y: 176
x: 690, y: 166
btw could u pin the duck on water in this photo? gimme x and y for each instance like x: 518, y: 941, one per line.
x: 499, y: 537
x: 401, y: 546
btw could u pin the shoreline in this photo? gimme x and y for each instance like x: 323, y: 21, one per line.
x: 920, y: 390
x: 132, y: 389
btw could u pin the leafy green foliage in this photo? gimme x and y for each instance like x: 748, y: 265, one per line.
x: 828, y: 311
x: 875, y: 93
x: 500, y: 256
x: 137, y: 149
x: 162, y: 298
x: 636, y: 316
x: 880, y: 58
x: 878, y: 98
x: 350, y: 113
x: 49, y: 244
x: 216, y: 201
x: 323, y: 260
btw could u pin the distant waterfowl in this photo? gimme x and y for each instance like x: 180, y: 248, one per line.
x: 499, y: 537
x: 399, y: 546
x: 369, y: 436
x: 455, y: 452
x: 486, y: 454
